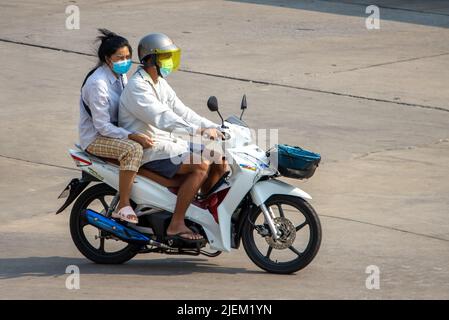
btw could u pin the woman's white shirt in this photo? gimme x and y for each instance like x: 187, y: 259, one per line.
x: 101, y: 93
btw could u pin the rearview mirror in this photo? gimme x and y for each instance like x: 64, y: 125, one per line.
x: 212, y: 103
x: 243, y: 105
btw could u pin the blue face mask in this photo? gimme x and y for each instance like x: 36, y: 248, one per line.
x: 165, y: 72
x: 165, y: 67
x: 121, y: 67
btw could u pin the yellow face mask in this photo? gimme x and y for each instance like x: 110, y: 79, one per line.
x: 168, y: 62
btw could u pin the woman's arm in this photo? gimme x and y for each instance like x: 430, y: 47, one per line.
x: 96, y: 96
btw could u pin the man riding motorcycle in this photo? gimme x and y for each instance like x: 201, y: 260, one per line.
x: 149, y: 105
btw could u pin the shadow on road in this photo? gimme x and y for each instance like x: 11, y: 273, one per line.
x: 56, y: 266
x: 431, y: 12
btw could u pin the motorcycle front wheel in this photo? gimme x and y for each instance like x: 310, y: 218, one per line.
x: 95, y: 244
x: 299, y: 240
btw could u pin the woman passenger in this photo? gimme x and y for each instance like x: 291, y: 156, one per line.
x: 98, y: 130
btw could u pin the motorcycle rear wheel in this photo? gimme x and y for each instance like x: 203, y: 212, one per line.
x: 291, y: 232
x: 97, y: 194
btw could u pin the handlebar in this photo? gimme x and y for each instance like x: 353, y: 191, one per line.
x: 226, y: 135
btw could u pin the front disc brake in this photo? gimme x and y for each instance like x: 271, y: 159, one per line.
x: 288, y: 234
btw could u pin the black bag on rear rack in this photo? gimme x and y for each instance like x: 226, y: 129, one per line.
x: 295, y: 162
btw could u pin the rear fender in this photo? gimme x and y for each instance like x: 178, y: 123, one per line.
x: 75, y: 187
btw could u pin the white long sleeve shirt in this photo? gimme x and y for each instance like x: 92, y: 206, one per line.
x: 101, y: 93
x: 154, y: 109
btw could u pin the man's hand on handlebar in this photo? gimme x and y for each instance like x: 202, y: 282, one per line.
x: 211, y: 133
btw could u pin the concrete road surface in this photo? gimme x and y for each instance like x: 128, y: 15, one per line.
x: 374, y: 103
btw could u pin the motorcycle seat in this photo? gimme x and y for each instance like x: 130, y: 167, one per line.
x: 166, y: 182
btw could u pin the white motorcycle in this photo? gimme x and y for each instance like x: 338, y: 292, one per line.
x: 280, y: 231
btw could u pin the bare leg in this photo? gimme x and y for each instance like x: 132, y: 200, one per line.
x: 126, y: 180
x: 196, y: 174
x: 216, y: 171
x: 125, y: 185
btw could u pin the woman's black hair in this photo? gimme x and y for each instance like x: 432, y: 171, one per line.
x: 110, y: 43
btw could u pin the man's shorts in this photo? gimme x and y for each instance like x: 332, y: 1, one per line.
x: 168, y: 167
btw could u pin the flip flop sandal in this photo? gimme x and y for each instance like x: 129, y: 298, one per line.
x: 178, y: 241
x: 126, y: 214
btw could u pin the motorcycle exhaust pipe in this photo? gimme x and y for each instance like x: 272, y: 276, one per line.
x: 120, y: 231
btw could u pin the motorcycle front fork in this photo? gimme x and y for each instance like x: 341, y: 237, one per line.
x: 269, y: 220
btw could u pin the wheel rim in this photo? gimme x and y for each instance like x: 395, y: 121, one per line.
x: 96, y: 240
x: 296, y: 234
